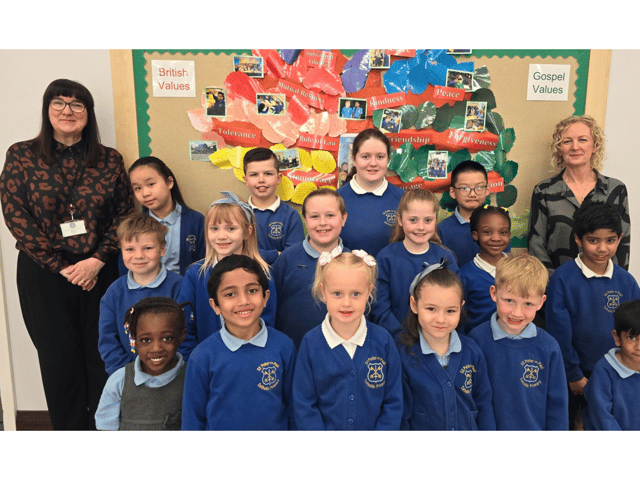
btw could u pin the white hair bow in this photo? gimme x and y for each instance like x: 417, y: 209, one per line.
x: 368, y: 259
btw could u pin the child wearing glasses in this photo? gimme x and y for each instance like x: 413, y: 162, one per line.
x: 469, y: 188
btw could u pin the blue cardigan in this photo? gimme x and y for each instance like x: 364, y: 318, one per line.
x: 192, y: 241
x: 397, y: 268
x: 527, y: 379
x: 455, y: 398
x: 478, y: 303
x: 331, y: 391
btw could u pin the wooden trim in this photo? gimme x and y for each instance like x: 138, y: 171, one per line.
x: 33, y: 420
x: 124, y: 105
x: 598, y: 85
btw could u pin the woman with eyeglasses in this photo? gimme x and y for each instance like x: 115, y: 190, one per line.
x: 62, y: 195
x: 577, y: 149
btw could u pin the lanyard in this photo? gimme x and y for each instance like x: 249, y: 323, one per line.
x: 71, y: 186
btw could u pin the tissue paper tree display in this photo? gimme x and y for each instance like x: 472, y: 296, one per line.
x: 309, y: 104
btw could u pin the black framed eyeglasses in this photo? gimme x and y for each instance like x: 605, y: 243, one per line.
x: 466, y: 191
x: 59, y: 104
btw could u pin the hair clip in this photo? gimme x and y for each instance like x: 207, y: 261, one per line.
x: 131, y: 311
x: 368, y: 259
x: 426, y: 271
x: 230, y: 197
x: 132, y: 341
x: 326, y: 257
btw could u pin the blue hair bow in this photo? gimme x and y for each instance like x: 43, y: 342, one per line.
x: 426, y: 271
x: 230, y: 197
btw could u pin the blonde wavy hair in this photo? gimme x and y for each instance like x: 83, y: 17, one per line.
x: 598, y: 156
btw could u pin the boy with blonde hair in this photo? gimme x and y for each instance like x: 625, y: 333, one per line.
x: 524, y: 362
x: 142, y: 242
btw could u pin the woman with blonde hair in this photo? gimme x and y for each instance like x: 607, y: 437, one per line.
x: 577, y: 149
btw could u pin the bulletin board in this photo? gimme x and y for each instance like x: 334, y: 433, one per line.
x: 435, y: 116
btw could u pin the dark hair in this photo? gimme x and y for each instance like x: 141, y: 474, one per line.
x: 155, y: 305
x: 362, y: 137
x: 467, y: 166
x: 481, y: 212
x: 230, y: 263
x: 44, y: 145
x: 441, y: 277
x: 165, y: 172
x: 259, y: 154
x: 626, y: 318
x: 592, y: 216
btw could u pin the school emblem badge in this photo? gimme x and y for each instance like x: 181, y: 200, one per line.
x: 275, y: 230
x: 375, y: 372
x: 191, y: 242
x: 467, y: 371
x: 269, y: 371
x: 613, y: 300
x: 531, y: 375
x: 390, y: 217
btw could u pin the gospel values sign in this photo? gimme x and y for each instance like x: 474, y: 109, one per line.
x: 548, y: 82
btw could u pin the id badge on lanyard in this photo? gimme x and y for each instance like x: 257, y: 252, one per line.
x: 73, y: 227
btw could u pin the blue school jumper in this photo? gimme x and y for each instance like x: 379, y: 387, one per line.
x: 205, y: 321
x: 124, y: 293
x: 612, y: 394
x: 455, y: 398
x: 332, y: 391
x: 397, y: 267
x: 293, y: 274
x: 371, y: 216
x: 455, y: 233
x: 278, y: 227
x: 527, y: 377
x: 477, y: 300
x: 192, y: 241
x: 579, y: 314
x: 236, y: 385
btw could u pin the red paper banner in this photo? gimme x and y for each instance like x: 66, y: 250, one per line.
x: 318, y: 142
x: 386, y: 101
x: 496, y: 182
x: 308, y: 96
x: 318, y: 58
x: 240, y: 136
x: 320, y: 179
x: 448, y: 93
x: 473, y: 140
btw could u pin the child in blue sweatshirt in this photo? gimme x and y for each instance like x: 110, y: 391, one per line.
x: 278, y: 225
x: 584, y: 294
x: 524, y: 362
x: 156, y: 188
x: 142, y: 243
x: 348, y: 372
x: 491, y: 229
x: 445, y: 382
x: 613, y: 389
x: 240, y: 377
x: 414, y: 243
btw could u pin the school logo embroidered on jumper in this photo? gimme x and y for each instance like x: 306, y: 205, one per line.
x: 391, y: 216
x: 613, y: 300
x: 275, y: 230
x: 191, y: 241
x: 375, y: 373
x: 467, y: 371
x: 269, y: 371
x: 531, y: 376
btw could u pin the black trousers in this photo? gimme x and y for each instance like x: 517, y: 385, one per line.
x: 62, y: 321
